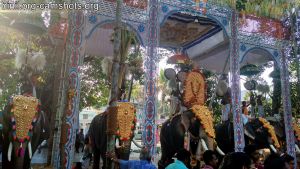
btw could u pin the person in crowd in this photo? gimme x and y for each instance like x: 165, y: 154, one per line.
x: 274, y: 161
x: 210, y: 159
x: 87, y: 154
x: 237, y: 160
x: 245, y: 113
x: 226, y: 106
x: 78, y: 165
x: 143, y: 163
x: 245, y: 108
x: 1, y: 137
x: 183, y: 160
x: 79, y: 142
x: 289, y: 161
x: 253, y: 153
x: 260, y: 106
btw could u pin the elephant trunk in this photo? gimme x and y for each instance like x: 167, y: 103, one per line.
x: 17, y: 151
x: 19, y: 163
x: 124, y: 150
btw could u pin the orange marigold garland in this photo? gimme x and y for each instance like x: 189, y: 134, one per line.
x: 271, y: 131
x: 126, y: 120
x: 297, y: 131
x: 206, y: 119
x: 194, y: 89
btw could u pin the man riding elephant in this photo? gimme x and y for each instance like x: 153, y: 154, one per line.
x: 191, y: 129
x: 24, y: 123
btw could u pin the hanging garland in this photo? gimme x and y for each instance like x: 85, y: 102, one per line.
x: 297, y: 131
x: 23, y: 117
x: 194, y: 89
x: 206, y: 119
x: 271, y: 131
x: 126, y: 120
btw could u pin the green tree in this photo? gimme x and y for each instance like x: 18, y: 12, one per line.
x: 94, y: 86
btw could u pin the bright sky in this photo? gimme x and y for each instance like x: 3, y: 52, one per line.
x: 163, y: 65
x: 265, y: 76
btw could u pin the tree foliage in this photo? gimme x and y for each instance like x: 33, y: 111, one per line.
x: 94, y: 86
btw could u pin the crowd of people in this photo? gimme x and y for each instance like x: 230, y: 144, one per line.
x: 83, y: 143
x: 249, y: 159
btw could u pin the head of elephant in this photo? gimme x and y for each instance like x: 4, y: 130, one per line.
x: 259, y: 134
x: 197, y: 133
x: 19, y: 150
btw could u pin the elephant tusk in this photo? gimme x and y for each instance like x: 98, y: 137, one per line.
x: 220, y: 151
x: 273, y: 148
x: 297, y: 149
x: 118, y: 143
x: 29, y: 150
x: 10, y: 147
x: 137, y: 144
x: 249, y: 135
x: 204, y: 145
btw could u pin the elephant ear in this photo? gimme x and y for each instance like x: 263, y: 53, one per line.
x: 185, y: 120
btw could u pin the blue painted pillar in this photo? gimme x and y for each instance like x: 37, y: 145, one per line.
x: 286, y: 98
x: 75, y: 50
x: 150, y: 106
x: 239, y: 141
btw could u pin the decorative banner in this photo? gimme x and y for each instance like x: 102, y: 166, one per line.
x: 141, y: 4
x: 200, y: 5
x: 260, y: 25
x: 239, y: 141
x: 151, y: 73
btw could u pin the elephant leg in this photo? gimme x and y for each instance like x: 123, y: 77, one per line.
x: 104, y: 160
x: 96, y: 160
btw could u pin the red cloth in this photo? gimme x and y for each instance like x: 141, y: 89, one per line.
x: 207, y: 167
x: 259, y: 166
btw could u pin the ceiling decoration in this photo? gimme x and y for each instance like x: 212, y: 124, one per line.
x: 183, y: 30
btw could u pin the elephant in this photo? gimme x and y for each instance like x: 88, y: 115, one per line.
x: 98, y: 139
x: 17, y: 154
x: 280, y: 133
x: 172, y: 137
x: 255, y: 133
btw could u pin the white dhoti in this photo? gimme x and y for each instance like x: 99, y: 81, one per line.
x: 225, y: 112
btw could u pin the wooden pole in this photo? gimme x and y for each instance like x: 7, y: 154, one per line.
x: 114, y: 92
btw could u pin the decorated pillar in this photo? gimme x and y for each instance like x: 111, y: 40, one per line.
x: 239, y: 141
x: 70, y: 119
x: 151, y: 73
x: 286, y: 98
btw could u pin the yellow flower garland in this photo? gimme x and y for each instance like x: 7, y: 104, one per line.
x: 24, y: 109
x: 206, y: 119
x: 297, y: 131
x: 271, y: 131
x: 194, y: 89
